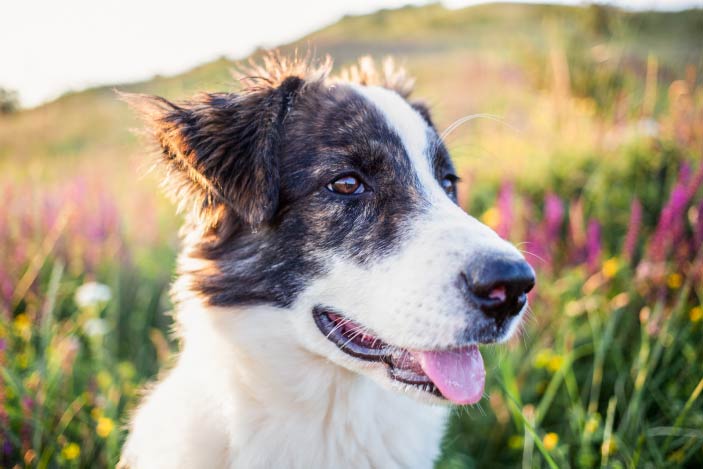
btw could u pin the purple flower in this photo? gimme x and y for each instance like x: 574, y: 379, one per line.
x: 553, y: 217
x: 533, y: 245
x: 593, y: 245
x: 505, y: 208
x: 633, y: 230
x: 679, y: 202
x: 27, y: 403
x: 671, y: 226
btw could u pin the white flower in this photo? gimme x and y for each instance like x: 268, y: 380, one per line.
x: 92, y: 294
x: 95, y: 327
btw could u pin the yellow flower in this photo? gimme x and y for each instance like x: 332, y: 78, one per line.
x: 591, y: 425
x: 674, y: 281
x: 516, y: 442
x: 104, y: 379
x: 610, y: 267
x: 23, y: 326
x: 21, y: 321
x: 491, y: 217
x: 71, y: 451
x: 555, y: 362
x: 550, y: 441
x: 542, y: 358
x: 696, y: 314
x: 105, y: 427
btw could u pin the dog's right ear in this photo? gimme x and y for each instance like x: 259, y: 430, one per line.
x: 221, y: 149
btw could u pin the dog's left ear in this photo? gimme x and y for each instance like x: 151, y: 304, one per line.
x: 221, y: 149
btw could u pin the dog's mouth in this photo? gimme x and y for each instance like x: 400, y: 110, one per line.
x: 455, y: 374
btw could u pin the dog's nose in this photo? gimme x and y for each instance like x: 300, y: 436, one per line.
x: 499, y: 286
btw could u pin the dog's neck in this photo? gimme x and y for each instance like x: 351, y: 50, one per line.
x: 291, y: 407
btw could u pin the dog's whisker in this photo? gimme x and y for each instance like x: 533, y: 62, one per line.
x: 462, y: 120
x: 533, y: 255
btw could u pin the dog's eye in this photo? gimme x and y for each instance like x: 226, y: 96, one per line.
x: 347, y: 185
x: 449, y: 185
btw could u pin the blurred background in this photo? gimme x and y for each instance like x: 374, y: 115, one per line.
x: 590, y: 159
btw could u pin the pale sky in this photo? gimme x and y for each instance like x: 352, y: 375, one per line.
x: 48, y: 47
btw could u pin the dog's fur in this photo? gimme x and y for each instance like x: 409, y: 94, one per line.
x: 266, y: 242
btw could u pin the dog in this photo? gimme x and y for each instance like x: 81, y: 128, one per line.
x: 331, y: 293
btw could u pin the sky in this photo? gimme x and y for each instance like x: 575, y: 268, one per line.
x: 49, y: 47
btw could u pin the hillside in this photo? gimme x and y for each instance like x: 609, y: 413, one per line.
x: 505, y: 59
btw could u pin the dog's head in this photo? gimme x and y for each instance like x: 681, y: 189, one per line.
x: 334, y: 200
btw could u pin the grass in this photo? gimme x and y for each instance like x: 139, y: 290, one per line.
x: 593, y: 167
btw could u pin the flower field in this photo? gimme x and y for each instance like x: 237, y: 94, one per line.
x: 594, y: 168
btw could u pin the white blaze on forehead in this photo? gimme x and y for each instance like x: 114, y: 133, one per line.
x: 410, y: 127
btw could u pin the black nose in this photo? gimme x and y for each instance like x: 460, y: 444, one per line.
x: 499, y: 286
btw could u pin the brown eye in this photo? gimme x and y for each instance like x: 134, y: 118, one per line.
x: 449, y: 186
x: 347, y: 185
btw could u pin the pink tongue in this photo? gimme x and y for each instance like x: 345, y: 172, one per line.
x: 458, y: 373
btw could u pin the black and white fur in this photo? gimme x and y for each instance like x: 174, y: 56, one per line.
x: 256, y: 383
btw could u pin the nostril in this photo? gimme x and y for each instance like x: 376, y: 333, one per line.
x: 499, y: 293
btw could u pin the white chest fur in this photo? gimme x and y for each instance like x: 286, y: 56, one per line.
x: 244, y: 395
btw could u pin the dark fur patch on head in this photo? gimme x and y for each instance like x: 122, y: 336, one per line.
x: 331, y: 131
x: 424, y: 111
x: 257, y: 164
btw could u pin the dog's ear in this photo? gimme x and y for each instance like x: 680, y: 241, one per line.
x: 221, y: 149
